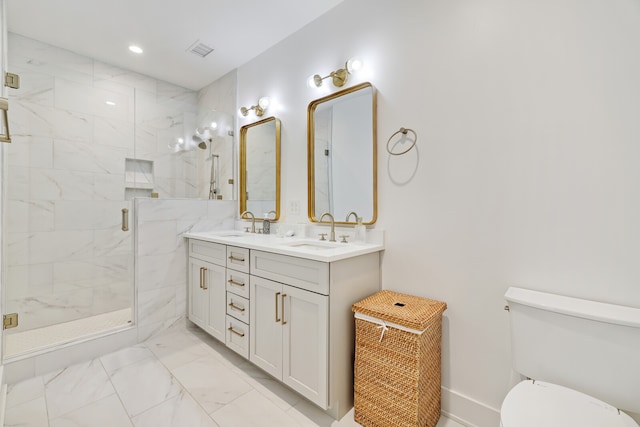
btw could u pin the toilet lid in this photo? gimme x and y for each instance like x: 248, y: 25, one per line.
x: 536, y: 403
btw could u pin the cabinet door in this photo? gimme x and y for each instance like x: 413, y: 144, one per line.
x: 198, y: 296
x: 265, y: 329
x: 215, y: 284
x: 306, y: 343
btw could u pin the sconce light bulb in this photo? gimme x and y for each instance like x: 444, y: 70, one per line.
x: 317, y: 80
x: 354, y: 64
x: 214, y: 125
x: 180, y: 141
x: 264, y: 102
x: 244, y: 111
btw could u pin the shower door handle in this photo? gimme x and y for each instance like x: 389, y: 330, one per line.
x: 125, y: 219
x: 4, y: 106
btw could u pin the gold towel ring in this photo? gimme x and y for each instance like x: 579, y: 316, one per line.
x: 403, y: 131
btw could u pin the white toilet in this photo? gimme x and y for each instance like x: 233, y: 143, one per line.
x: 579, y: 354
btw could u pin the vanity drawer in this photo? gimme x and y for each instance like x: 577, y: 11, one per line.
x: 238, y: 307
x: 238, y: 283
x: 208, y: 251
x: 237, y: 338
x: 238, y: 258
x: 299, y: 272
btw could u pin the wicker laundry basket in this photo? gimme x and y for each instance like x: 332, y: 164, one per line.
x: 397, y: 364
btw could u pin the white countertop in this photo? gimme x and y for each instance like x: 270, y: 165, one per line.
x: 308, y: 248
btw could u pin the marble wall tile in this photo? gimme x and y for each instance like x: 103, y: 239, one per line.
x: 83, y: 156
x: 38, y: 56
x: 156, y: 305
x: 28, y: 151
x: 17, y: 247
x: 113, y: 132
x: 45, y: 310
x: 56, y: 246
x: 156, y: 237
x: 158, y: 271
x: 80, y: 271
x: 90, y: 214
x: 113, y: 74
x: 33, y: 215
x: 112, y: 297
x: 53, y: 184
x: 176, y: 97
x: 35, y: 87
x: 114, y: 268
x: 18, y: 182
x: 29, y: 119
x: 164, y: 210
x: 28, y: 280
x: 108, y: 186
x: 113, y: 241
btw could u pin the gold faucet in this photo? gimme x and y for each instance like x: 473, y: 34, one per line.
x: 333, y: 226
x: 349, y: 216
x: 253, y: 219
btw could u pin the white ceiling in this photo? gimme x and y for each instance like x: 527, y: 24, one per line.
x: 238, y: 30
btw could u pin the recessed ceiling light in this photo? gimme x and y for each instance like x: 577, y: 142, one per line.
x: 135, y: 49
x: 110, y: 103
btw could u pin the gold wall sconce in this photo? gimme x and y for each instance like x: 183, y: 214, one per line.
x: 259, y: 108
x: 340, y: 76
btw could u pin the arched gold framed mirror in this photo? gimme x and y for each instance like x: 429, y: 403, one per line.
x: 260, y: 168
x: 342, y: 155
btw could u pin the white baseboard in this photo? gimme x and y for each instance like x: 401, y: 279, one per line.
x: 467, y: 411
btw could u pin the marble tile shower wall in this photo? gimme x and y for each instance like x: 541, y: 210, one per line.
x: 162, y: 255
x: 67, y: 257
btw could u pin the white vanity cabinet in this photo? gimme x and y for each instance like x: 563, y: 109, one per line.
x: 207, y: 275
x: 290, y: 336
x: 290, y: 314
x: 302, y: 329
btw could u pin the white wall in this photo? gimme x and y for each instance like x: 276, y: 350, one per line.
x: 525, y: 171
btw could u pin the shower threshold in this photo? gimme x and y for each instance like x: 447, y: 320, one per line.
x: 25, y: 343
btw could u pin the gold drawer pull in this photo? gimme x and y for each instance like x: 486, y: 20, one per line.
x: 284, y: 322
x: 232, y: 258
x: 240, y: 334
x: 233, y: 282
x: 277, y: 318
x: 235, y: 307
x: 204, y: 278
x: 201, y: 276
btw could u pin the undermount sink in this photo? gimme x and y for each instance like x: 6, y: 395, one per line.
x: 316, y: 246
x: 232, y: 234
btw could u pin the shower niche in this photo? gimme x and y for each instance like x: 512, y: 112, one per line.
x: 138, y: 178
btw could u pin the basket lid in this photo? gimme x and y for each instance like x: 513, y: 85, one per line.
x: 406, y: 310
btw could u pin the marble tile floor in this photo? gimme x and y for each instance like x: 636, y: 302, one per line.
x: 182, y: 378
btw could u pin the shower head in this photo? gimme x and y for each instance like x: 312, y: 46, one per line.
x: 202, y: 143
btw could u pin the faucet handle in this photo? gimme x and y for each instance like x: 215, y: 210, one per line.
x: 323, y: 236
x: 344, y: 238
x: 246, y: 229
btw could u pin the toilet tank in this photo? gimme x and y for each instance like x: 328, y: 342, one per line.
x: 588, y: 346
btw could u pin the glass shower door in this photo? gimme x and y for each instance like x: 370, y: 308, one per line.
x: 68, y: 261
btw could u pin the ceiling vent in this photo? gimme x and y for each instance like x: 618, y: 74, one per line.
x: 199, y: 49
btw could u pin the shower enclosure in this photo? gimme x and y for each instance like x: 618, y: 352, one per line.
x: 88, y: 137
